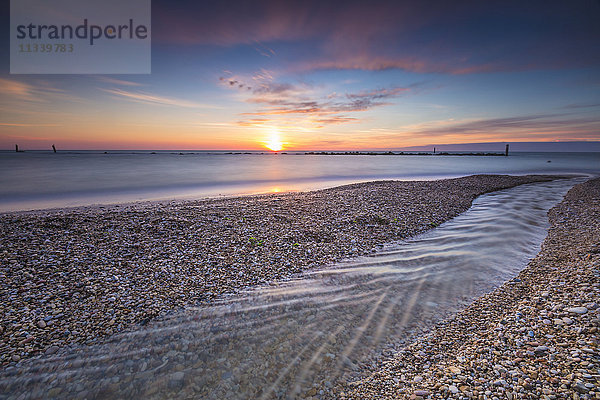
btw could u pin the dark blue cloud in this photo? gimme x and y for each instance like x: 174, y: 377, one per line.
x: 425, y: 36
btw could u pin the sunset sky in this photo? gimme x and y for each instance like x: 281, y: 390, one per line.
x: 327, y: 75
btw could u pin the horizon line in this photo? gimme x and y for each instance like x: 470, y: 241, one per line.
x: 426, y: 147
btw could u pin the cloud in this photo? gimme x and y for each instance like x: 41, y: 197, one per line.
x: 38, y: 91
x: 370, y: 63
x: 531, y: 123
x: 334, y: 120
x: 17, y: 89
x: 303, y: 101
x: 148, y: 98
x: 581, y: 105
x: 34, y: 101
x: 16, y: 125
x: 541, y: 126
x: 368, y: 99
x: 264, y: 50
x: 374, y: 62
x: 118, y: 82
x: 254, y: 122
x: 426, y: 36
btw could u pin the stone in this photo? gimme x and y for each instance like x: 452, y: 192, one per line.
x: 541, y: 349
x: 580, y: 387
x: 454, y: 370
x: 577, y: 310
x: 176, y: 380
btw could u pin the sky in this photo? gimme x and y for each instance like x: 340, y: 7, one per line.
x: 327, y: 75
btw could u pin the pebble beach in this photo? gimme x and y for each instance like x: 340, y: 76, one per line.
x: 76, y: 276
x: 535, y: 337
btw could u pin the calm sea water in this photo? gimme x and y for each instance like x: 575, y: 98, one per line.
x: 40, y: 179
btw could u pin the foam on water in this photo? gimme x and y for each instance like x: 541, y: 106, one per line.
x: 281, y: 340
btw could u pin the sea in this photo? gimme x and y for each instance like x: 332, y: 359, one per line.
x: 34, y: 180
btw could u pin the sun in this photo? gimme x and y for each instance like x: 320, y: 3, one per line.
x: 274, y: 142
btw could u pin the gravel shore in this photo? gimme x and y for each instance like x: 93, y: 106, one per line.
x: 535, y: 337
x: 78, y: 275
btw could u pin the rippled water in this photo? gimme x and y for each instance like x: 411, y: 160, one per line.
x: 300, y: 337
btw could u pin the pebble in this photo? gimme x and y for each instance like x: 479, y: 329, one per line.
x: 577, y: 310
x: 581, y: 388
x: 176, y: 381
x: 541, y: 349
x: 454, y: 370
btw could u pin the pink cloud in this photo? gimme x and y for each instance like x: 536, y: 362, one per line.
x: 302, y: 101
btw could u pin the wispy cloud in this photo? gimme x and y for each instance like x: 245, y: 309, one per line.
x: 530, y: 123
x: 37, y: 91
x: 35, y: 103
x: 542, y: 126
x: 334, y: 120
x: 17, y: 89
x: 119, y: 82
x: 304, y: 101
x: 17, y: 125
x: 373, y: 62
x: 148, y: 98
x: 264, y: 50
x: 581, y: 105
x: 254, y: 122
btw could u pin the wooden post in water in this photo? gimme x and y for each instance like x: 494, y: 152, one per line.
x: 506, y: 151
x: 54, y: 148
x: 434, y: 150
x: 16, y: 148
